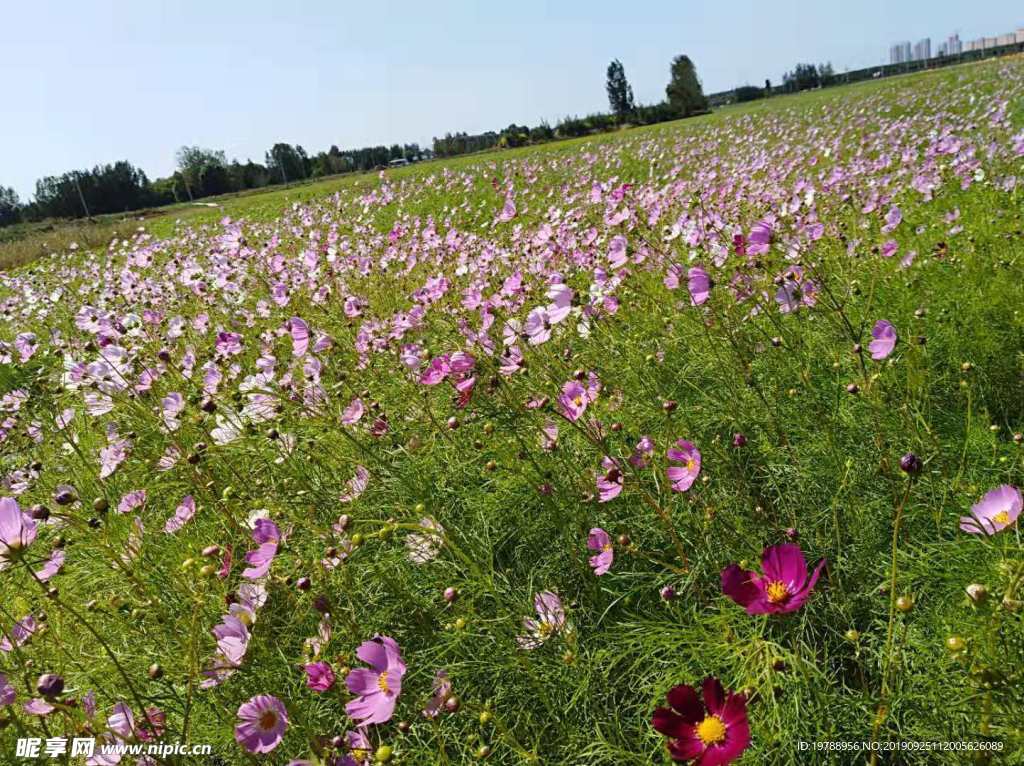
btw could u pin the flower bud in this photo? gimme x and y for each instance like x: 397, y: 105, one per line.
x: 50, y: 685
x: 911, y: 464
x: 977, y: 593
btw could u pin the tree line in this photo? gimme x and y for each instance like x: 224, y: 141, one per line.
x: 200, y: 172
x: 684, y: 97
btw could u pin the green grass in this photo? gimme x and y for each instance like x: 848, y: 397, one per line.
x: 821, y: 464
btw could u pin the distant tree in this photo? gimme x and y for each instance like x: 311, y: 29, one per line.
x: 748, y: 93
x: 10, y: 206
x: 826, y: 75
x: 195, y: 163
x: 104, y: 189
x: 803, y: 77
x: 620, y: 92
x: 542, y: 132
x: 767, y: 87
x: 684, y: 90
x: 286, y: 163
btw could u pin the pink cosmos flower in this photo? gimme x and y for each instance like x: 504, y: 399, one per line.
x: 442, y: 690
x: 642, y: 452
x: 38, y: 707
x: 131, y: 501
x: 617, y: 251
x: 699, y: 284
x: 425, y: 547
x: 796, y: 291
x: 182, y: 515
x: 172, y: 406
x: 228, y: 344
x: 267, y: 536
x: 436, y: 371
x: 377, y: 687
x: 319, y: 676
x: 52, y: 566
x: 356, y: 485
x: 712, y: 733
x: 550, y: 620
x: 884, y: 342
x: 299, y: 331
x: 537, y: 326
x: 892, y: 219
x: 25, y: 345
x: 19, y: 633
x: 996, y: 511
x: 508, y: 210
x: 7, y: 692
x: 682, y: 477
x: 760, y: 238
x: 609, y: 483
x: 783, y: 587
x: 261, y: 723
x: 573, y: 400
x: 17, y: 531
x: 673, y: 276
x: 353, y: 412
x: 359, y: 749
x: 561, y: 296
x: 599, y: 541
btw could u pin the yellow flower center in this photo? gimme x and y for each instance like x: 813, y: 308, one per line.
x: 382, y: 682
x: 691, y: 464
x: 711, y: 730
x: 1003, y: 517
x: 268, y: 720
x: 777, y: 591
x: 546, y: 628
x: 607, y: 547
x: 578, y: 400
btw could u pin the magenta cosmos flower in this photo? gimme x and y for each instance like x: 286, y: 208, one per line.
x: 609, y: 483
x: 17, y: 531
x: 709, y: 733
x: 884, y: 342
x: 319, y: 676
x: 599, y: 541
x: 996, y: 511
x: 262, y: 722
x: 682, y: 477
x: 377, y: 687
x: 783, y: 587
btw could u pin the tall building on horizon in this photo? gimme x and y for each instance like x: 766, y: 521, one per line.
x: 923, y: 49
x: 953, y: 45
x: 900, y: 53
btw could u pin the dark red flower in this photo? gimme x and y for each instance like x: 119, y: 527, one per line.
x: 709, y: 733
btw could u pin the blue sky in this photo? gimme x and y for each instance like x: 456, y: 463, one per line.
x: 85, y: 82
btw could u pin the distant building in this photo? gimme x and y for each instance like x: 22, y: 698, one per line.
x: 923, y: 49
x: 943, y: 50
x: 1007, y: 39
x: 953, y: 45
x: 900, y: 53
x: 1020, y: 35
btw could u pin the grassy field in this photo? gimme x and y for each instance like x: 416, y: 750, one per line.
x: 534, y: 417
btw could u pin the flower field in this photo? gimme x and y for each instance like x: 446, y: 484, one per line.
x: 692, y: 443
